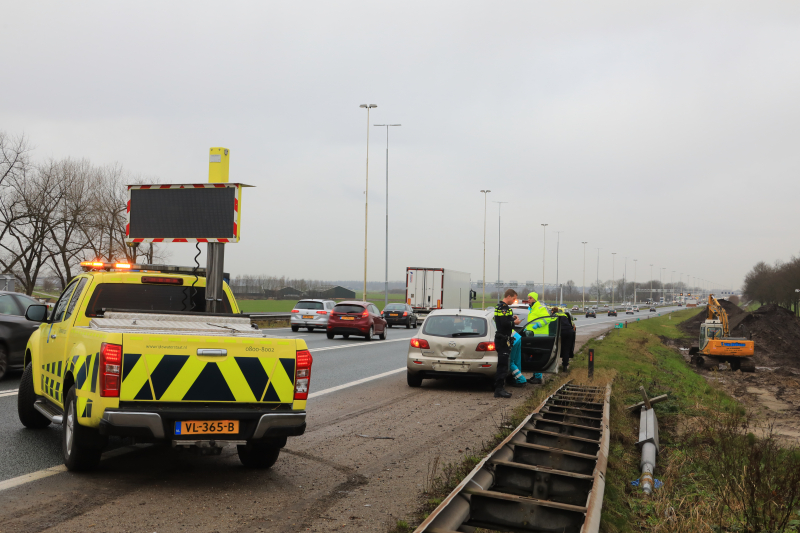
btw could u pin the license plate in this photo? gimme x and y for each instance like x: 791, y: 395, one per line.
x: 348, y: 318
x: 393, y: 314
x: 444, y: 367
x: 204, y: 427
x: 309, y: 317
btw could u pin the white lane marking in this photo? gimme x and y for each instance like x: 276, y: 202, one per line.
x: 9, y: 393
x: 373, y: 344
x: 354, y: 383
x: 53, y: 470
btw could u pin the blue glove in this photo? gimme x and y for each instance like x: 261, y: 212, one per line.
x: 537, y: 325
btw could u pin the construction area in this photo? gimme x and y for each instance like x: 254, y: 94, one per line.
x: 772, y: 392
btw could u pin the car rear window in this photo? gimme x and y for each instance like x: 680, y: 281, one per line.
x: 309, y: 305
x: 395, y: 307
x: 133, y: 297
x: 348, y: 309
x: 455, y: 326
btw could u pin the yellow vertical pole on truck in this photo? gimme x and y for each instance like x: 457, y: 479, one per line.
x: 218, y: 166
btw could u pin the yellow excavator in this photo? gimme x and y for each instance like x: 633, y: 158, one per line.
x: 717, y: 345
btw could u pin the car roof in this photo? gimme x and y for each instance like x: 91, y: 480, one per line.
x: 354, y: 302
x: 313, y: 300
x: 464, y: 312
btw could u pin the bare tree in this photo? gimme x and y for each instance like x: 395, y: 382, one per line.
x: 14, y: 156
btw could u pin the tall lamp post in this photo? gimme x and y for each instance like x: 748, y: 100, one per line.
x: 386, y: 281
x: 366, y: 201
x: 499, y: 207
x: 613, y: 279
x: 544, y: 250
x: 584, y: 275
x: 483, y: 299
x: 661, y: 280
x: 651, y: 284
x: 624, y: 280
x: 672, y: 284
x: 558, y: 246
x: 634, y: 281
x: 598, y: 278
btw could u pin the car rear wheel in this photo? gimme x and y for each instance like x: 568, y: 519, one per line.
x: 382, y: 336
x: 415, y: 323
x: 413, y: 380
x: 258, y: 455
x: 3, y: 361
x: 370, y: 333
x: 26, y: 397
x: 330, y: 335
x: 408, y: 324
x: 295, y: 328
x: 81, y: 446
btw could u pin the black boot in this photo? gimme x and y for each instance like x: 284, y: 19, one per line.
x: 501, y: 393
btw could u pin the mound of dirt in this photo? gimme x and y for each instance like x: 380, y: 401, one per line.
x: 735, y: 314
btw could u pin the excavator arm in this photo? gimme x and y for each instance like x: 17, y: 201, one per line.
x: 716, y: 311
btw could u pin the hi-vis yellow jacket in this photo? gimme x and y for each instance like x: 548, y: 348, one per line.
x: 126, y: 362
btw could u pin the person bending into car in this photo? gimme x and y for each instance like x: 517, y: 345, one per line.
x: 505, y: 321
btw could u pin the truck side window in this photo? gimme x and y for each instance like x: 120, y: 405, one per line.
x: 61, y: 304
x: 75, y: 298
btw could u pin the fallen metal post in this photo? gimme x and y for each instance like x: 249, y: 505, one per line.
x: 648, y: 443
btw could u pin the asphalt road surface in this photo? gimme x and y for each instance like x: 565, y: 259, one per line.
x: 358, y: 392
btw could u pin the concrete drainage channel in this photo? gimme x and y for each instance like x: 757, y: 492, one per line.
x: 548, y: 475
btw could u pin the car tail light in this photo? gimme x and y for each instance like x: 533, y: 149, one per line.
x: 405, y: 313
x: 485, y: 347
x: 303, y: 374
x: 487, y: 365
x: 322, y: 312
x: 365, y: 314
x: 110, y: 361
x: 420, y: 343
x: 295, y: 310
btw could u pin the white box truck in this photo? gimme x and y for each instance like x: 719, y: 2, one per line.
x: 437, y: 288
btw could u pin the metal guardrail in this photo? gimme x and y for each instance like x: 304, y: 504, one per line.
x: 548, y: 475
x: 269, y: 316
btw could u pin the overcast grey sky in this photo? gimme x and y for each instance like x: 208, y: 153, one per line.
x: 667, y: 132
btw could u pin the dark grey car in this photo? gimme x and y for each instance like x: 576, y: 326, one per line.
x: 400, y: 315
x: 15, y: 330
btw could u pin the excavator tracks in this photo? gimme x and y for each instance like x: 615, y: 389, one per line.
x: 548, y: 475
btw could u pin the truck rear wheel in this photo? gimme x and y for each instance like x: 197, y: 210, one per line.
x: 258, y: 455
x: 81, y: 446
x: 30, y: 417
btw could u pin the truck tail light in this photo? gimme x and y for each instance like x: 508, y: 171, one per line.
x: 303, y: 374
x: 420, y: 343
x: 485, y: 347
x: 110, y: 363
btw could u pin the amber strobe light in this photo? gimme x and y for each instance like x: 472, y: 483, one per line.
x: 303, y: 376
x: 110, y: 361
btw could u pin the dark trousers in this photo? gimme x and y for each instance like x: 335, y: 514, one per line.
x: 567, y: 345
x: 503, y: 358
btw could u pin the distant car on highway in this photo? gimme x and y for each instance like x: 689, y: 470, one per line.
x: 636, y: 308
x: 453, y: 344
x: 612, y: 312
x: 311, y: 314
x: 400, y: 315
x: 652, y: 309
x: 14, y: 330
x: 574, y: 307
x: 605, y: 305
x: 591, y: 313
x: 629, y: 310
x: 356, y: 318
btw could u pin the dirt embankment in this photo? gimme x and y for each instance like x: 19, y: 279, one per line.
x: 772, y: 392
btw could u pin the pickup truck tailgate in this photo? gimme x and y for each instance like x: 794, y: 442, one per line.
x: 197, y: 368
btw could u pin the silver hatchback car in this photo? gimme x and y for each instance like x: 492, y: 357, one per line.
x: 311, y: 314
x: 453, y: 344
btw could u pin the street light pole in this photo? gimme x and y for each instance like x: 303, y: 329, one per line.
x: 634, y: 281
x: 558, y: 246
x: 598, y: 278
x: 624, y: 279
x: 499, y: 206
x: 613, y: 278
x: 483, y: 299
x: 544, y: 250
x: 661, y: 280
x: 366, y: 201
x: 651, y: 284
x: 672, y: 284
x: 386, y: 280
x: 584, y: 275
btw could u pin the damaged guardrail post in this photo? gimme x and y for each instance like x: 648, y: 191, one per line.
x: 591, y: 363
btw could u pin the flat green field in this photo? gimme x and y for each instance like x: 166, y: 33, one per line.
x: 284, y: 306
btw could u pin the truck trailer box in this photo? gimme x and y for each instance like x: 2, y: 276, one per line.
x: 437, y: 288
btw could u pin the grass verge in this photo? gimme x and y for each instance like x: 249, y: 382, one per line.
x: 720, y: 473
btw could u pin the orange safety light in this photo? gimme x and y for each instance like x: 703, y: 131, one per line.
x: 122, y: 265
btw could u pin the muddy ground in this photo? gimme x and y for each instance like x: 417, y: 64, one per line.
x: 771, y: 393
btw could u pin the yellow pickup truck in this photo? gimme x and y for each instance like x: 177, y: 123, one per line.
x: 128, y: 351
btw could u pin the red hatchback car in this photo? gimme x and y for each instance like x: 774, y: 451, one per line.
x: 356, y: 318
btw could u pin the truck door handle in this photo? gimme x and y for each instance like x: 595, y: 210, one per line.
x: 53, y: 336
x: 212, y: 352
